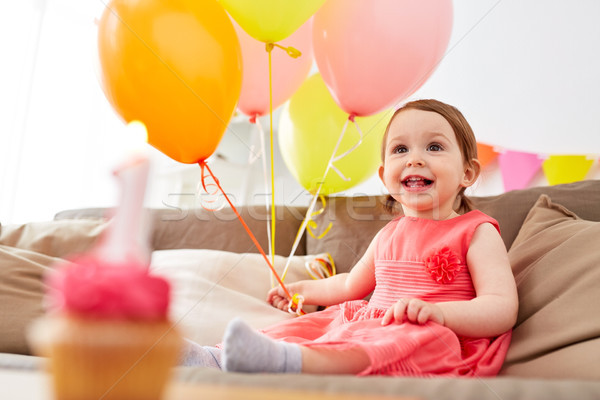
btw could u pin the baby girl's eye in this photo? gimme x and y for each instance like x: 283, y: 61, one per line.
x: 434, y: 147
x: 400, y: 149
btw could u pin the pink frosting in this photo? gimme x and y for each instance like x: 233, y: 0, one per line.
x: 89, y: 287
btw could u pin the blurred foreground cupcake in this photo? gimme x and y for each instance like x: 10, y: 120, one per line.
x: 107, y: 334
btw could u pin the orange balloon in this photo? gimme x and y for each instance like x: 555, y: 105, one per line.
x: 174, y: 65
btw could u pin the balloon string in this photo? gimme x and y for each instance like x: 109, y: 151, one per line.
x: 309, y: 213
x: 306, y: 223
x: 291, y: 51
x: 350, y: 150
x: 204, y: 165
x: 294, y: 53
x: 299, y: 233
x: 317, y: 193
x: 266, y: 182
x: 335, y: 158
x: 254, y: 154
x: 272, y: 158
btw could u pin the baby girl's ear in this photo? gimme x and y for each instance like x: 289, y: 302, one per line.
x: 380, y: 171
x: 472, y: 171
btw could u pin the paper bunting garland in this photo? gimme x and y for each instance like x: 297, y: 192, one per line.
x: 566, y: 168
x: 518, y: 168
x: 486, y: 154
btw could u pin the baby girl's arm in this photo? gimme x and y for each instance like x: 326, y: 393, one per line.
x: 494, y: 310
x: 356, y: 284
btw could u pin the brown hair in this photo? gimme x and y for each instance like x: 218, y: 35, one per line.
x: 464, y: 136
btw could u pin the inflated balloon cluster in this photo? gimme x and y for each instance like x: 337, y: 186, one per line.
x: 183, y: 68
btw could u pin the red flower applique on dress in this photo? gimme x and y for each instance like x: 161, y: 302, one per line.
x: 443, y: 265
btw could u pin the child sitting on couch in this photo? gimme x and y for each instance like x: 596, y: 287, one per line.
x: 444, y: 298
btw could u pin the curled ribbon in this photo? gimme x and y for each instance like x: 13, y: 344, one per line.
x: 312, y: 224
x: 295, y: 305
x: 210, y: 187
x: 321, y: 268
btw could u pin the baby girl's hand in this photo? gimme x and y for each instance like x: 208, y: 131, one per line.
x: 415, y: 310
x: 277, y: 298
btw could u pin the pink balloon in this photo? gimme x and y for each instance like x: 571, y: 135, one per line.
x: 287, y: 74
x: 373, y: 54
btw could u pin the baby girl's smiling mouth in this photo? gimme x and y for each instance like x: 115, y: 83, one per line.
x: 416, y: 182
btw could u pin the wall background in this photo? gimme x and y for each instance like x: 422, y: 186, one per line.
x: 525, y: 74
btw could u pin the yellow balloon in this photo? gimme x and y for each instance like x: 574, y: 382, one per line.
x: 271, y: 20
x: 174, y: 65
x: 309, y: 128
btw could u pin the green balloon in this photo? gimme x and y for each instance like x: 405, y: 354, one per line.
x: 309, y: 129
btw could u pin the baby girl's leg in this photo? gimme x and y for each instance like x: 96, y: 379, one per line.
x: 246, y: 350
x: 317, y: 360
x: 193, y: 354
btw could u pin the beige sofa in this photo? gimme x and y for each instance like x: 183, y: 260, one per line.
x: 553, y: 246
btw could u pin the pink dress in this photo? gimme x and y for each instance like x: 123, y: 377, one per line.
x: 414, y: 258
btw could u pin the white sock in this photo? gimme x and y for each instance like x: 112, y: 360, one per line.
x: 199, y: 356
x: 245, y: 350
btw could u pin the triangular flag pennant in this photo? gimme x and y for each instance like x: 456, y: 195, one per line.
x: 486, y: 154
x: 518, y: 168
x: 566, y: 169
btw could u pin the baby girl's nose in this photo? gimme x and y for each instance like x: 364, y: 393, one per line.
x: 415, y: 160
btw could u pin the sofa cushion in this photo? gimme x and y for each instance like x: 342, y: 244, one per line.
x: 557, y: 270
x: 203, y: 229
x: 26, y: 251
x: 210, y: 287
x: 197, y: 228
x: 21, y: 295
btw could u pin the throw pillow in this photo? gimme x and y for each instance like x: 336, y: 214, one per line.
x: 21, y: 295
x: 557, y: 270
x: 53, y: 238
x: 26, y: 251
x: 211, y: 287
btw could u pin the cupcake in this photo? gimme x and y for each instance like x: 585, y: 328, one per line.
x: 107, y: 334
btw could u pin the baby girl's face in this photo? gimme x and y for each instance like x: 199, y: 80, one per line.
x: 423, y: 168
